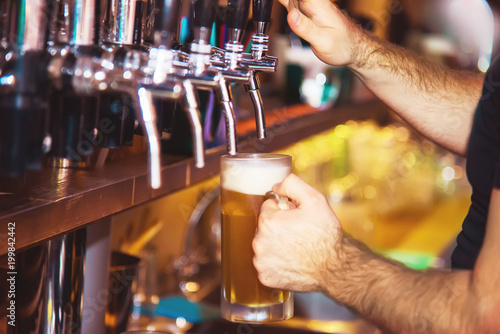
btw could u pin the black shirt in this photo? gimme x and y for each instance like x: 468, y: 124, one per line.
x: 483, y: 170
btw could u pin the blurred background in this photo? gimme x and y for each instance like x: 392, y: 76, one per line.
x: 402, y: 195
x: 399, y: 193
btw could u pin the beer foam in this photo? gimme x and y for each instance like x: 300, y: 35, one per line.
x: 252, y: 177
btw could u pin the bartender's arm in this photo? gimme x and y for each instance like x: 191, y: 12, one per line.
x: 437, y: 101
x: 305, y: 249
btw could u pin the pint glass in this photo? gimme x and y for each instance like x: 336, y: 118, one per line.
x: 245, y: 180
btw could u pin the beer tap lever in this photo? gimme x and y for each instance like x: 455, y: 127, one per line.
x: 259, y: 60
x: 262, y: 13
x: 261, y: 20
x: 203, y: 14
x: 236, y: 19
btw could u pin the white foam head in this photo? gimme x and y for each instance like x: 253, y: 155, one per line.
x: 254, y: 174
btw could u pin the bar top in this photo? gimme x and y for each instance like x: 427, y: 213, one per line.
x: 55, y: 201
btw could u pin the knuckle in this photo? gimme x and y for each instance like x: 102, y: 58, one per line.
x: 256, y: 247
x: 262, y: 278
x: 264, y: 220
x: 255, y: 261
x: 266, y: 206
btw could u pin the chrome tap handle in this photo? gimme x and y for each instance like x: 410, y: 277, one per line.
x: 83, y: 29
x: 223, y: 93
x: 260, y: 121
x: 193, y: 113
x: 203, y: 15
x: 147, y: 114
x: 122, y: 21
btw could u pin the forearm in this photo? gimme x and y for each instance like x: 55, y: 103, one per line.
x: 437, y: 101
x: 399, y: 299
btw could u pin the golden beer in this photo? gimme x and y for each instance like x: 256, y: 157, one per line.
x: 245, y: 179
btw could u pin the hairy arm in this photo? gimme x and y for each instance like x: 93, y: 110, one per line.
x: 437, y: 101
x: 404, y: 300
x: 304, y: 249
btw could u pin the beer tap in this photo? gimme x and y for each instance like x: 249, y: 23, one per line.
x: 236, y: 18
x: 99, y: 60
x: 120, y: 33
x: 259, y: 60
x: 23, y: 107
x: 193, y: 71
x: 242, y: 67
x: 73, y: 122
x: 170, y: 74
x: 115, y: 70
x: 101, y: 75
x: 206, y: 76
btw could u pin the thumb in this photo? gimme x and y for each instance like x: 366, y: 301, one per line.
x: 295, y: 189
x: 300, y: 24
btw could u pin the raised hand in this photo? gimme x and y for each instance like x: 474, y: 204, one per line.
x: 333, y: 36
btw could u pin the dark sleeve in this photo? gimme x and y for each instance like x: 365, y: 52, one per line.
x: 496, y: 179
x: 492, y: 84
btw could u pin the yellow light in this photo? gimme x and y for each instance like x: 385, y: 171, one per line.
x: 342, y: 131
x: 409, y: 160
x: 336, y: 195
x: 192, y: 287
x: 401, y: 134
x: 369, y: 192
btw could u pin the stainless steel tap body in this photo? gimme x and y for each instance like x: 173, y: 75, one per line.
x: 125, y: 27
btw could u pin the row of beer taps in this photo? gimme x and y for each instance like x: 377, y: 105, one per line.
x: 72, y: 71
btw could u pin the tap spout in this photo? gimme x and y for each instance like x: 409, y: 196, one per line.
x: 260, y: 120
x: 148, y: 116
x: 224, y: 95
x: 193, y: 113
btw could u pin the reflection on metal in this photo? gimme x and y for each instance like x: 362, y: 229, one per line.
x: 120, y: 24
x: 84, y: 24
x: 65, y: 274
x: 148, y: 114
x: 49, y: 284
x: 31, y: 25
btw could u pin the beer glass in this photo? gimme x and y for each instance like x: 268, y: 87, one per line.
x: 245, y: 180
